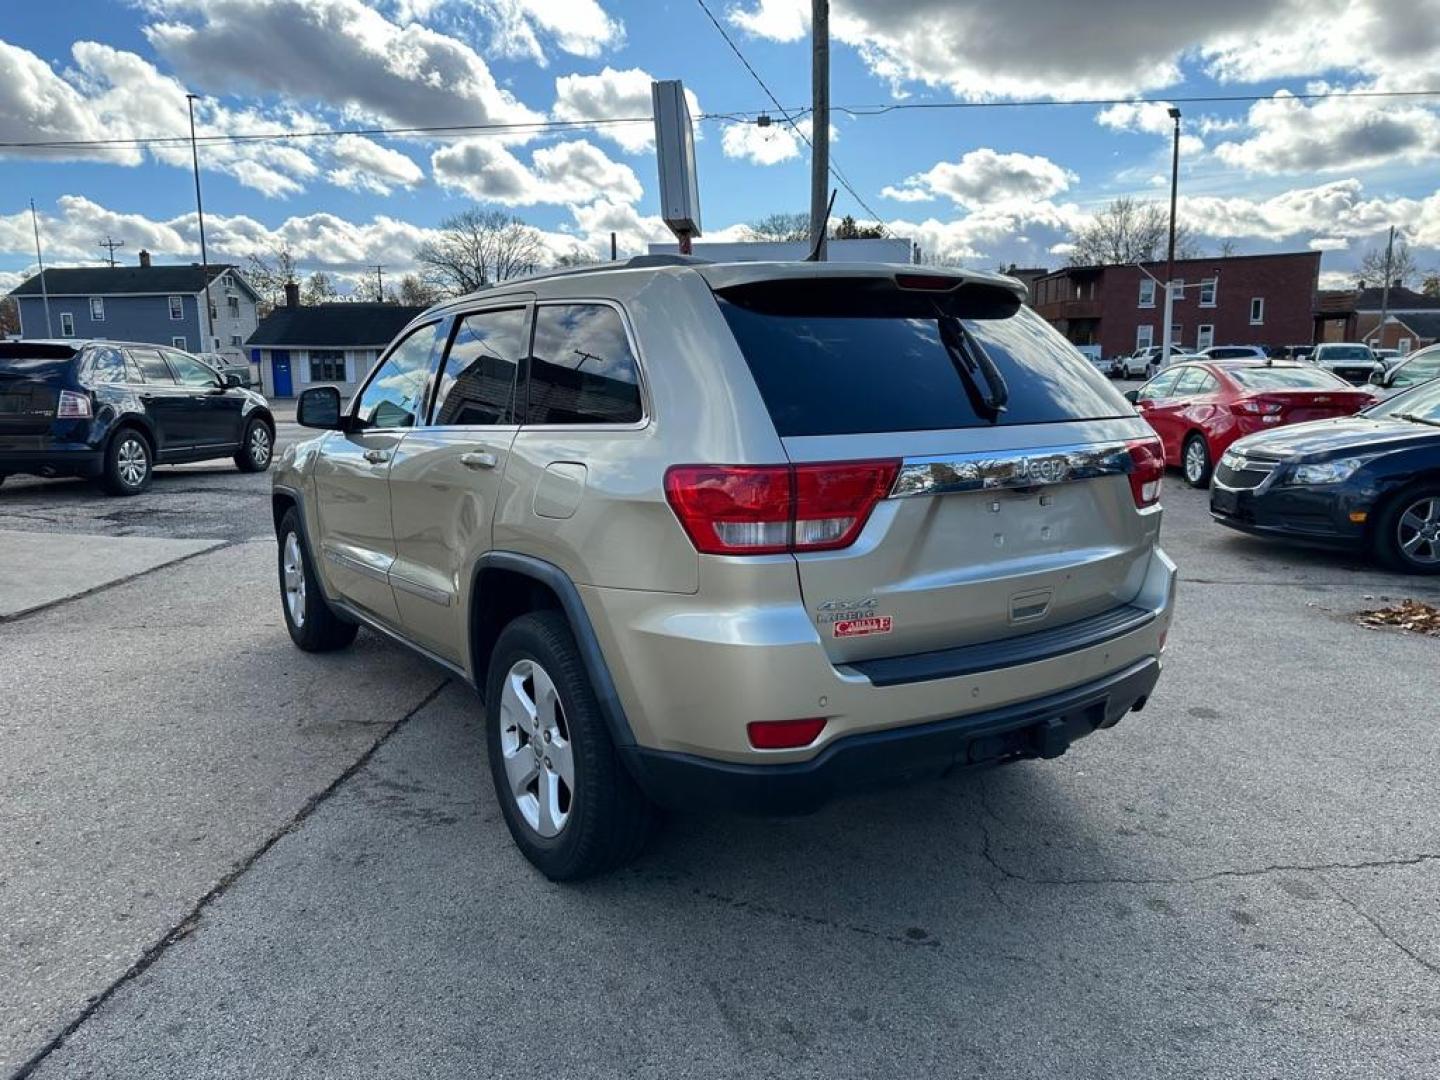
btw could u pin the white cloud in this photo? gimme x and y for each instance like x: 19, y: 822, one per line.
x: 772, y: 144
x: 566, y: 172
x: 365, y: 165
x: 579, y: 27
x: 1292, y: 136
x: 1329, y: 243
x: 339, y: 52
x: 36, y: 104
x: 615, y: 94
x: 986, y: 177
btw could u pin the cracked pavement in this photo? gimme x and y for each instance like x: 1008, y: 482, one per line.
x: 1239, y: 881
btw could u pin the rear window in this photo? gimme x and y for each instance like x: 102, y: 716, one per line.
x: 840, y: 374
x: 35, y: 361
x: 1274, y: 378
x: 1344, y: 352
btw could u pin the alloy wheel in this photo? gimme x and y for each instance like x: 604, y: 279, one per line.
x: 132, y: 461
x: 1418, y: 531
x: 260, y: 445
x: 294, y: 571
x: 1194, y: 461
x: 535, y: 745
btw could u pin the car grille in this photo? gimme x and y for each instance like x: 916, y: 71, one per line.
x: 1244, y: 473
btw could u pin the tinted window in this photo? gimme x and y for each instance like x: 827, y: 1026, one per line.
x: 1276, y: 378
x: 1345, y: 352
x: 190, y: 371
x: 478, y: 383
x: 152, y: 366
x: 1160, y: 386
x: 1422, y: 401
x: 394, y: 395
x: 581, y: 367
x: 107, y: 366
x: 839, y: 374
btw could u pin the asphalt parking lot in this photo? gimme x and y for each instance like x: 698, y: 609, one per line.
x: 226, y: 857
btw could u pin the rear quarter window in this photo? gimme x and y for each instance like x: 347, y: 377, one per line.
x: 832, y: 374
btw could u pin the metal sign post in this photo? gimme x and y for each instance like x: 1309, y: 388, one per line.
x: 675, y: 155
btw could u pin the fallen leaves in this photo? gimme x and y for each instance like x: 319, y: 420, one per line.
x: 1412, y: 616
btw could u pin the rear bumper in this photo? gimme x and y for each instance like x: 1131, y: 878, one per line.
x: 57, y: 459
x: 1043, y: 727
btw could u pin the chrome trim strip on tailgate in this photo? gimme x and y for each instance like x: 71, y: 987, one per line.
x: 1013, y: 469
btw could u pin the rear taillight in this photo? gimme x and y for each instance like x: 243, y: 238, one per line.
x: 73, y: 406
x: 768, y: 509
x: 1147, y: 470
x: 1258, y: 407
x: 784, y: 734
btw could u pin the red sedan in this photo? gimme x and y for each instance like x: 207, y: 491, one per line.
x: 1198, y: 410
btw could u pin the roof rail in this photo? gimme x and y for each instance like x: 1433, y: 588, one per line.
x: 635, y: 262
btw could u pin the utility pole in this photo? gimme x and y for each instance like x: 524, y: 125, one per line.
x: 379, y: 281
x: 1167, y: 337
x: 206, y: 323
x: 614, y: 251
x: 44, y: 292
x: 1385, y: 289
x: 820, y: 125
x: 110, y: 245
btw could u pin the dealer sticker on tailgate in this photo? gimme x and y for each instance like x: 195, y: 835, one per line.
x: 872, y: 624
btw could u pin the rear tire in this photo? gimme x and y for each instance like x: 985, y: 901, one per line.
x: 571, y: 806
x: 129, y: 463
x: 312, y: 623
x: 1195, y: 461
x: 257, y: 448
x: 1407, y: 533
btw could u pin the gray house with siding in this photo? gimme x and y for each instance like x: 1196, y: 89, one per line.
x: 299, y: 346
x: 159, y: 304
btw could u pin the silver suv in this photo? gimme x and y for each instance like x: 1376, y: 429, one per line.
x: 748, y: 535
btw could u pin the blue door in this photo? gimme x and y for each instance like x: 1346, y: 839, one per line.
x: 280, y: 369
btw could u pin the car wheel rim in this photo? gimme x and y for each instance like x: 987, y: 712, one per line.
x: 259, y: 445
x: 293, y: 567
x: 535, y: 746
x: 1418, y: 532
x: 1194, y: 462
x: 131, y: 461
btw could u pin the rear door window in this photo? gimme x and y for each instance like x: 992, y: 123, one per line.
x: 153, y: 368
x: 582, y: 370
x: 888, y: 369
x: 477, y: 383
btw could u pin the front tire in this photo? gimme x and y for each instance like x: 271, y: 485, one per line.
x: 1195, y: 461
x: 313, y: 625
x: 257, y: 448
x: 129, y: 463
x: 570, y: 805
x: 1407, y: 535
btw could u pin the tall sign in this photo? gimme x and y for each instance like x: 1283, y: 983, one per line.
x: 675, y: 153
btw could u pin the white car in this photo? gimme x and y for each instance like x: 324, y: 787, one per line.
x: 1233, y: 352
x: 1352, y: 361
x: 1143, y: 363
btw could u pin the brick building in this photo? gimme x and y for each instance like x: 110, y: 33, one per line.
x: 1240, y: 300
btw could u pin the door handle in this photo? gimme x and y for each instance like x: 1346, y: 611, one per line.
x: 479, y: 460
x: 147, y: 397
x: 377, y: 457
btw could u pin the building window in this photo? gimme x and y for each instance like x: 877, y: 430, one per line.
x: 1257, y: 311
x: 1404, y: 346
x: 327, y: 365
x: 1205, y: 336
x: 67, y: 324
x: 1144, y: 336
x: 177, y: 308
x: 1179, y: 288
x: 178, y: 343
x: 234, y: 341
x: 1177, y: 335
x: 232, y: 306
x: 1207, y: 292
x: 97, y: 309
x: 1147, y: 292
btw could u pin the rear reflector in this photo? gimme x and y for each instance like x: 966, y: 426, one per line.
x: 784, y: 734
x: 770, y: 509
x: 1147, y: 459
x: 72, y: 406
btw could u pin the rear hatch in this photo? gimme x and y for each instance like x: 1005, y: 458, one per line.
x: 999, y: 522
x: 31, y: 378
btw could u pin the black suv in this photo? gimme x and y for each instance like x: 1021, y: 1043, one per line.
x: 114, y: 410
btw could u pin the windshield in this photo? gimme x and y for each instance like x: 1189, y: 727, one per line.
x: 1423, y: 402
x: 1344, y: 352
x: 1279, y: 378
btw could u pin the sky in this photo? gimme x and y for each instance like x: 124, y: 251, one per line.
x: 1000, y: 183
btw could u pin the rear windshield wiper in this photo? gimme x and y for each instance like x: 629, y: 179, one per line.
x: 1416, y: 419
x: 970, y: 358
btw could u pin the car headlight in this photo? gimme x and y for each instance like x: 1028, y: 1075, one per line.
x: 1326, y: 472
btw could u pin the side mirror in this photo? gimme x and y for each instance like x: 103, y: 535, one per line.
x: 1132, y: 396
x: 319, y: 407
x: 232, y: 378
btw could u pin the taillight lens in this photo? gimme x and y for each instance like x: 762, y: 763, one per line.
x: 73, y: 406
x: 1147, y: 471
x: 768, y: 509
x: 784, y: 734
x: 1258, y: 407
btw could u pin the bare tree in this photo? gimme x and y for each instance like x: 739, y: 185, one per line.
x: 1431, y: 285
x: 1130, y: 231
x: 477, y: 247
x: 269, y: 276
x: 9, y: 316
x: 318, y: 289
x: 794, y: 226
x: 577, y: 257
x: 1403, y: 267
x: 416, y: 292
x: 1228, y: 248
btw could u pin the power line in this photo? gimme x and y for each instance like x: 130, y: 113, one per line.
x: 1195, y: 99
x: 786, y: 115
